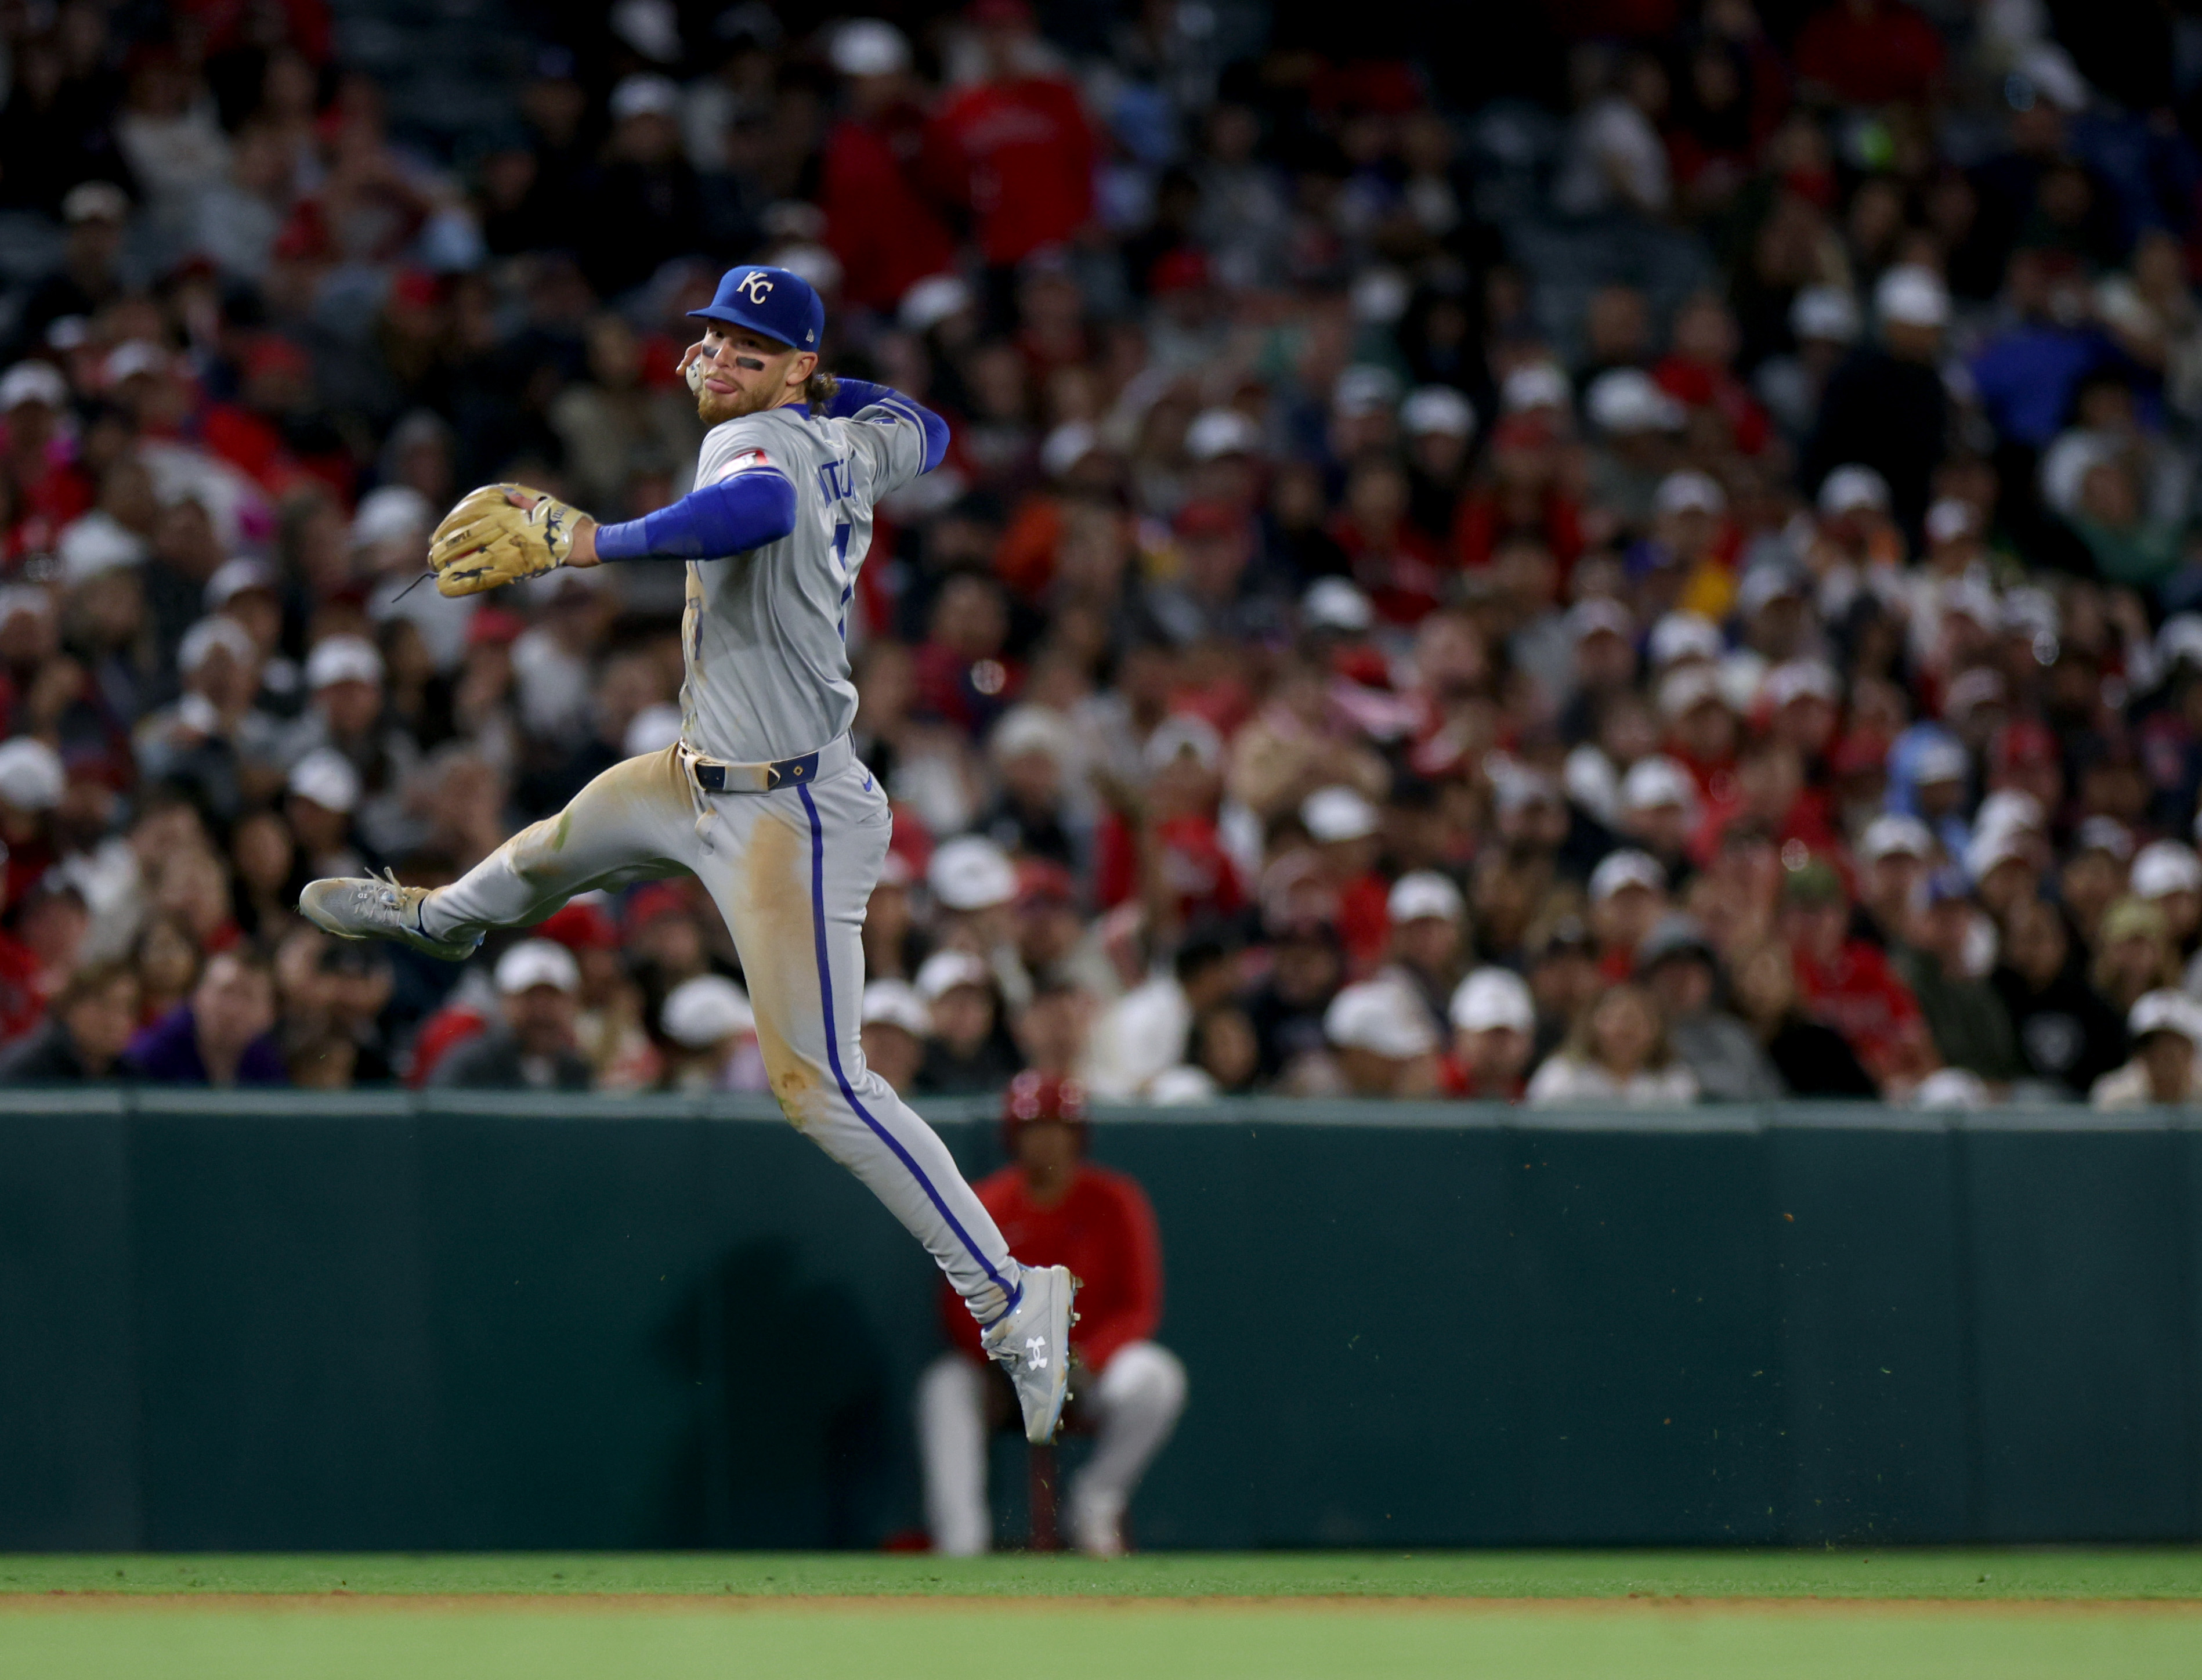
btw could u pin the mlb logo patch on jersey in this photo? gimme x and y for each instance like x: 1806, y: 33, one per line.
x: 748, y: 460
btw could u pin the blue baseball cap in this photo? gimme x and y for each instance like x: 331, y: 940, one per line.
x: 774, y: 302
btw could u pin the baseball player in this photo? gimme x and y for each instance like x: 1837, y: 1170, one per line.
x: 762, y: 798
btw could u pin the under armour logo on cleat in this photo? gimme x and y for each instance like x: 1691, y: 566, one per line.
x: 1036, y: 1351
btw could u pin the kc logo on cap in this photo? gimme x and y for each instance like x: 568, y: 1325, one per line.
x: 755, y: 287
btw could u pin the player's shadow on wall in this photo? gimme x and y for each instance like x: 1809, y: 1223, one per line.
x: 789, y: 1444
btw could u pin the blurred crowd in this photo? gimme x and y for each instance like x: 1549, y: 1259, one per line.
x: 1680, y: 587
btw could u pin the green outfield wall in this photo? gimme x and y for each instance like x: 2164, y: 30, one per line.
x: 381, y: 1321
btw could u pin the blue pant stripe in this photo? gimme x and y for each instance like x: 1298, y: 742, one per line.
x: 833, y: 1051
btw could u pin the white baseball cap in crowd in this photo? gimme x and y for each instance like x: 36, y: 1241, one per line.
x: 1437, y: 410
x: 327, y: 777
x: 1381, y: 1016
x: 1950, y: 1088
x: 1685, y: 635
x: 33, y: 382
x: 1853, y: 489
x: 1493, y: 996
x: 1626, y: 400
x: 946, y: 970
x: 1827, y: 313
x: 537, y: 961
x: 1910, y: 294
x: 95, y: 201
x: 644, y: 96
x: 1600, y: 615
x: 1424, y: 892
x: 2164, y: 867
x: 27, y: 599
x: 2031, y: 612
x: 867, y: 46
x: 211, y: 635
x: 1179, y: 733
x: 1067, y: 445
x: 1218, y: 432
x: 1940, y: 758
x: 2179, y: 638
x: 1951, y: 520
x: 1801, y: 679
x: 133, y: 357
x: 343, y: 659
x: 1534, y: 385
x: 1519, y: 786
x: 1655, y: 782
x: 895, y: 1003
x: 1618, y: 871
x: 970, y: 872
x: 1763, y: 585
x: 1689, y: 493
x: 95, y: 544
x: 31, y: 774
x: 1338, y: 813
x: 1333, y: 604
x: 706, y: 1010
x: 1895, y: 835
x: 1989, y: 849
x: 650, y: 730
x: 2163, y: 1011
x: 2009, y: 810
x: 237, y: 577
x: 1364, y: 388
x: 1032, y: 728
x: 1688, y: 688
x: 394, y: 513
x: 2106, y: 834
x: 931, y: 301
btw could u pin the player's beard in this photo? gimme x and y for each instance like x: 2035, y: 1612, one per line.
x: 713, y: 409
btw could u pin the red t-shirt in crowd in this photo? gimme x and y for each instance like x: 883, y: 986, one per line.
x: 1104, y: 1229
x: 1020, y: 154
x: 1199, y: 871
x: 22, y: 989
x: 1892, y: 53
x: 886, y: 235
x: 1859, y: 995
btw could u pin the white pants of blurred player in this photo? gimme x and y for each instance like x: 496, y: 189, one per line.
x: 1131, y: 1406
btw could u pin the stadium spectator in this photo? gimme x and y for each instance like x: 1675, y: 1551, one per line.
x: 1322, y: 521
x: 222, y: 1036
x: 530, y: 1045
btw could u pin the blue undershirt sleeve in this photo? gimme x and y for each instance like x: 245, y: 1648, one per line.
x: 732, y: 516
x: 856, y: 395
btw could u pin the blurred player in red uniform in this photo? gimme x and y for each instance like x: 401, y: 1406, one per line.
x: 1055, y: 1207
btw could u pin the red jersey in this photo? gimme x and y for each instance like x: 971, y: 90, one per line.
x: 1020, y: 155
x: 1859, y: 995
x: 1104, y: 1229
x: 886, y: 235
x: 22, y: 988
x: 1198, y: 870
x: 1890, y: 54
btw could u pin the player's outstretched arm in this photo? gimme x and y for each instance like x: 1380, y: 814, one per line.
x: 737, y: 514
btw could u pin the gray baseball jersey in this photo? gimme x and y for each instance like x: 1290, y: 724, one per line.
x: 765, y: 633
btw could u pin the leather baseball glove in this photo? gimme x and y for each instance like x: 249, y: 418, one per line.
x: 499, y: 534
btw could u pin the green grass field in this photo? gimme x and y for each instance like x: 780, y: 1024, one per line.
x: 1986, y: 1615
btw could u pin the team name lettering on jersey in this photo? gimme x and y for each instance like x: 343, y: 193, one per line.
x: 834, y: 483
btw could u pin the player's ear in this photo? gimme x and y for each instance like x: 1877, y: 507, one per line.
x: 806, y: 363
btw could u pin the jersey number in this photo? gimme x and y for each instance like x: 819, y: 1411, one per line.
x: 841, y: 572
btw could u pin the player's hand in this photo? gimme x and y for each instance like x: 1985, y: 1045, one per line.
x: 500, y: 534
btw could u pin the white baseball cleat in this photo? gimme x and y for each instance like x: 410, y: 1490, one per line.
x: 1032, y: 1342
x: 362, y: 907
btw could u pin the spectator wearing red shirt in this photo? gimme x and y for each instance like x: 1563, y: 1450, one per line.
x: 1346, y: 830
x: 1870, y: 52
x: 1848, y: 984
x: 886, y: 234
x: 1015, y: 148
x: 1163, y: 843
x: 1052, y: 1205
